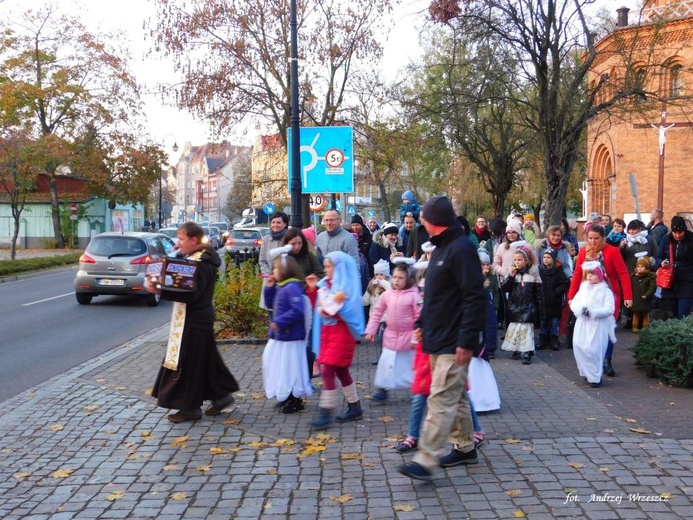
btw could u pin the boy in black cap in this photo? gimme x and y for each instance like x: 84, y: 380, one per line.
x: 554, y: 284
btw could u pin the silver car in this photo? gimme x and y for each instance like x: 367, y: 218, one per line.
x: 114, y: 264
x: 248, y: 239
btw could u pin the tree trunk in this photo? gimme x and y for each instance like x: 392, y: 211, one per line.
x: 499, y: 204
x: 383, y: 200
x: 55, y: 211
x: 305, y: 210
x: 556, y: 191
x: 15, y: 235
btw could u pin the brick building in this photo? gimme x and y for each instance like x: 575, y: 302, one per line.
x: 620, y: 146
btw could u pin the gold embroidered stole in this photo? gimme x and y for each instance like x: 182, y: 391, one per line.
x: 175, y: 334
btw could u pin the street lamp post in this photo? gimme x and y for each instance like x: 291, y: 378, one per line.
x: 175, y: 149
x: 296, y: 211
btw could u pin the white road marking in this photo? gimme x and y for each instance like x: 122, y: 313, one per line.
x: 48, y: 299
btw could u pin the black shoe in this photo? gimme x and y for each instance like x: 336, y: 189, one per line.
x: 543, y: 341
x: 293, y: 405
x: 516, y: 355
x: 596, y: 385
x: 555, y: 343
x: 374, y: 363
x: 415, y: 471
x: 380, y: 395
x: 456, y: 458
x: 219, y: 405
x: 628, y: 325
x: 281, y: 404
x: 491, y: 355
x: 608, y: 369
x: 526, y: 358
x: 185, y: 416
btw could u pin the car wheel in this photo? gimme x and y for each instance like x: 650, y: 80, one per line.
x: 153, y: 299
x: 84, y: 298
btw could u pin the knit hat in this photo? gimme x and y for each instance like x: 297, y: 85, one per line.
x: 594, y: 267
x: 389, y: 227
x: 407, y: 195
x: 593, y: 216
x: 678, y: 224
x: 382, y: 267
x: 529, y: 217
x: 309, y: 233
x: 643, y: 261
x: 484, y: 258
x: 438, y: 211
x: 514, y: 225
x: 356, y: 219
x: 551, y: 252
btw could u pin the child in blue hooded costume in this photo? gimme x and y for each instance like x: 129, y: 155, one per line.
x: 338, y: 323
x: 409, y: 205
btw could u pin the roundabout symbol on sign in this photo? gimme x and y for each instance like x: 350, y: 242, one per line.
x: 334, y: 158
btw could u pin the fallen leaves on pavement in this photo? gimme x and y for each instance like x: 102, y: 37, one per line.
x: 63, y: 473
x: 342, y: 498
x: 116, y: 495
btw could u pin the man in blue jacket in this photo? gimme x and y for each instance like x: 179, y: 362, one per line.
x: 450, y: 323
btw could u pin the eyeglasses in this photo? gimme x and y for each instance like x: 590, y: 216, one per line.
x: 330, y: 220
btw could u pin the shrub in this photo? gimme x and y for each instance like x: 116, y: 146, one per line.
x: 236, y: 302
x: 665, y: 351
x: 25, y: 265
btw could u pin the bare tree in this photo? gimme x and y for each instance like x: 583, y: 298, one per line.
x: 554, y: 43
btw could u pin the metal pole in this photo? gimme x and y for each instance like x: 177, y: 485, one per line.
x: 160, y: 199
x: 296, y: 214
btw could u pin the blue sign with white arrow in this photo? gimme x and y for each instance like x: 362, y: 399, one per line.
x: 268, y: 208
x: 326, y: 159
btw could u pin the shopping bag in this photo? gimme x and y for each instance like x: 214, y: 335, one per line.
x: 483, y: 389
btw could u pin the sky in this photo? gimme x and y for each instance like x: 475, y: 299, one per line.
x: 167, y: 123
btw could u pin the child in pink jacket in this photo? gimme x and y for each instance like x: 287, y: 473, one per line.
x: 395, y: 367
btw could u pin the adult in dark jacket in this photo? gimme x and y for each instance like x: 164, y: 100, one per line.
x: 193, y: 370
x: 365, y: 237
x: 656, y: 228
x: 567, y: 235
x: 680, y: 242
x: 386, y: 243
x: 307, y: 262
x: 417, y: 237
x: 451, y: 319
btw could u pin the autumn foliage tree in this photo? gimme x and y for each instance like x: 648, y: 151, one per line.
x: 233, y: 56
x: 76, y: 98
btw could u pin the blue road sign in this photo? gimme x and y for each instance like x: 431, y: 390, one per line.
x: 338, y: 205
x: 268, y: 208
x: 326, y: 159
x: 371, y: 213
x: 351, y: 210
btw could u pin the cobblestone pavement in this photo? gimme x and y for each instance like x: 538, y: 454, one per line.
x: 92, y: 444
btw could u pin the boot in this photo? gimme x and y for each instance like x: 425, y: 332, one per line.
x: 354, y: 405
x: 629, y: 324
x: 353, y: 413
x: 543, y: 341
x: 555, y: 343
x: 527, y: 358
x: 327, y: 403
x: 608, y: 369
x: 323, y: 420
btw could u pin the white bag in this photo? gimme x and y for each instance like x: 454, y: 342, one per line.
x: 483, y: 389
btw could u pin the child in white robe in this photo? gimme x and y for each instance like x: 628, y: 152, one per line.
x: 593, y: 306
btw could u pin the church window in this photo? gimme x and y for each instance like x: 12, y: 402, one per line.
x: 676, y: 85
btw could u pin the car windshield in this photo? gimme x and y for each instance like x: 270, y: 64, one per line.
x: 170, y: 232
x: 222, y: 226
x: 116, y: 246
x: 205, y: 229
x: 245, y: 234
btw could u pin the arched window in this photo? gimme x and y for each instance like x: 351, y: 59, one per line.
x: 640, y: 85
x: 602, y: 169
x: 676, y: 84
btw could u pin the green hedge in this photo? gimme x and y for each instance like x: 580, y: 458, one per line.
x: 26, y: 265
x: 236, y: 301
x: 665, y: 351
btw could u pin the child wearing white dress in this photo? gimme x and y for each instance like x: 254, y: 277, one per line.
x: 284, y: 360
x: 593, y: 305
x: 395, y: 367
